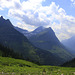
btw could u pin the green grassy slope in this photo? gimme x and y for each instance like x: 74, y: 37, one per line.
x: 21, y: 67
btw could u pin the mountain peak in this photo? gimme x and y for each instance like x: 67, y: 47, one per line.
x: 5, y: 22
x: 38, y: 29
x: 50, y: 30
x: 1, y: 18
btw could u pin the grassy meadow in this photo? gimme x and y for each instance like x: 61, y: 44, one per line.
x: 11, y: 66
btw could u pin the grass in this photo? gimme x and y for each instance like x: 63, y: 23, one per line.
x: 10, y: 66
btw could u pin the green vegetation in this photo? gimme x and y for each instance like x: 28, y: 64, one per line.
x: 11, y: 66
x: 21, y: 67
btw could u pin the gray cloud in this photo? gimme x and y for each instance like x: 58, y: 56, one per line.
x: 17, y: 5
x: 34, y: 21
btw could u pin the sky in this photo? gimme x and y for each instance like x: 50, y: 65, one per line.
x: 30, y: 14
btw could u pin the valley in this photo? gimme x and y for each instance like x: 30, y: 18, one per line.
x: 37, y: 37
x: 33, y: 53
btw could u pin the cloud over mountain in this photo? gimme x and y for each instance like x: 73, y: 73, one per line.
x: 33, y: 13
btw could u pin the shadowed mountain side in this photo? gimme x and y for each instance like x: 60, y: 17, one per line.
x: 6, y: 52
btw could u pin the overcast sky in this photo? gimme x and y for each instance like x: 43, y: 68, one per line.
x: 29, y: 14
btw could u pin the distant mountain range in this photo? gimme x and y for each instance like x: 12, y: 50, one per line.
x: 29, y: 34
x: 12, y: 38
x: 21, y: 30
x: 45, y: 38
x: 70, y: 44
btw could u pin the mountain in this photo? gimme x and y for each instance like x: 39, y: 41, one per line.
x: 69, y: 63
x: 47, y: 40
x: 15, y: 40
x: 21, y: 30
x: 29, y: 34
x: 70, y: 44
